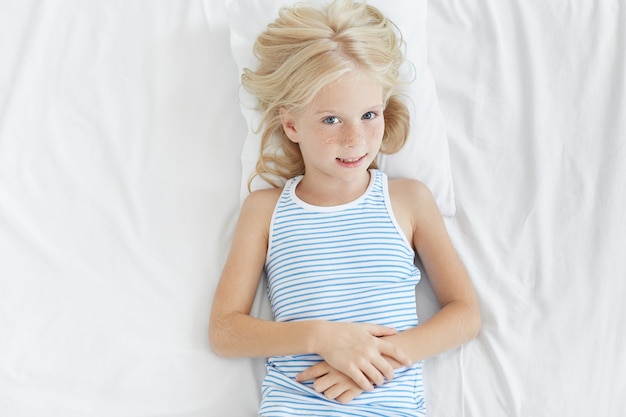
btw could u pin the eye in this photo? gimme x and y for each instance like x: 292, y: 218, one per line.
x: 369, y: 115
x: 331, y: 120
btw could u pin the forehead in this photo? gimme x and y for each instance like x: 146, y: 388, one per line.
x: 351, y: 89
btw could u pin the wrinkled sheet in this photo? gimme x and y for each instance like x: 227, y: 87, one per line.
x: 120, y: 143
x: 120, y: 139
x: 534, y: 98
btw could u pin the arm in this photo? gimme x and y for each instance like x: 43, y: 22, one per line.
x: 355, y: 349
x: 233, y: 332
x: 458, y: 320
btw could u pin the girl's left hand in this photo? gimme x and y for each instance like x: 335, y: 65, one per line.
x: 332, y: 383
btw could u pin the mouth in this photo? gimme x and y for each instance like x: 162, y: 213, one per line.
x: 351, y: 161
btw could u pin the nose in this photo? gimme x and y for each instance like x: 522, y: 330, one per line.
x: 352, y: 135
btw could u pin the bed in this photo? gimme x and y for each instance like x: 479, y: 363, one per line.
x: 125, y: 144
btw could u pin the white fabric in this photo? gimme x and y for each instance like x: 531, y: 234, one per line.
x: 119, y: 184
x: 120, y: 144
x: 425, y: 155
x: 534, y: 98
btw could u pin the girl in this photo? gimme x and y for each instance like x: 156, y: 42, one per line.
x: 338, y: 240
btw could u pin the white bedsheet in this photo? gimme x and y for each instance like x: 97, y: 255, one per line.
x: 120, y: 143
x: 534, y: 97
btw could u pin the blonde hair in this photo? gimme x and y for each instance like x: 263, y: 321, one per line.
x: 306, y: 48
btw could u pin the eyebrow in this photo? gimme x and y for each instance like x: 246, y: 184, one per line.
x: 369, y: 108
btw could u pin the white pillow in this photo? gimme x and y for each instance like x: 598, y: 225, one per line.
x: 425, y: 155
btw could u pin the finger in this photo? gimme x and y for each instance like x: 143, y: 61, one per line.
x: 323, y: 384
x: 348, y: 395
x: 385, y: 368
x: 360, y: 379
x: 373, y: 374
x: 395, y: 353
x: 394, y: 363
x: 313, y: 372
x: 379, y: 331
x: 335, y: 391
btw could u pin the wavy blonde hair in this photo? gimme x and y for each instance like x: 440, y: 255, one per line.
x: 306, y: 48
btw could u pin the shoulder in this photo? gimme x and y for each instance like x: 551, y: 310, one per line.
x: 409, y: 191
x: 261, y: 201
x: 264, y: 197
x: 413, y: 206
x: 253, y: 224
x: 413, y: 200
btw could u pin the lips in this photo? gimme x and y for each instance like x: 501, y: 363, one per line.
x: 351, y: 160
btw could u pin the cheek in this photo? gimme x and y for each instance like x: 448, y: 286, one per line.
x: 315, y: 137
x: 375, y: 132
x: 327, y: 138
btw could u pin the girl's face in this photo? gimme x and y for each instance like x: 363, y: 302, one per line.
x: 341, y: 131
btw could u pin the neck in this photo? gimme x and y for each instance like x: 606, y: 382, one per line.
x: 322, y: 191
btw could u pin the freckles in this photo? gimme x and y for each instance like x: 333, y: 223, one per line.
x: 375, y: 132
x: 326, y: 138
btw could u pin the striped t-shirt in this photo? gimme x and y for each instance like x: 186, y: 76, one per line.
x: 349, y: 263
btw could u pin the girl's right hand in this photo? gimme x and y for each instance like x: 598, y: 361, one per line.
x: 356, y: 350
